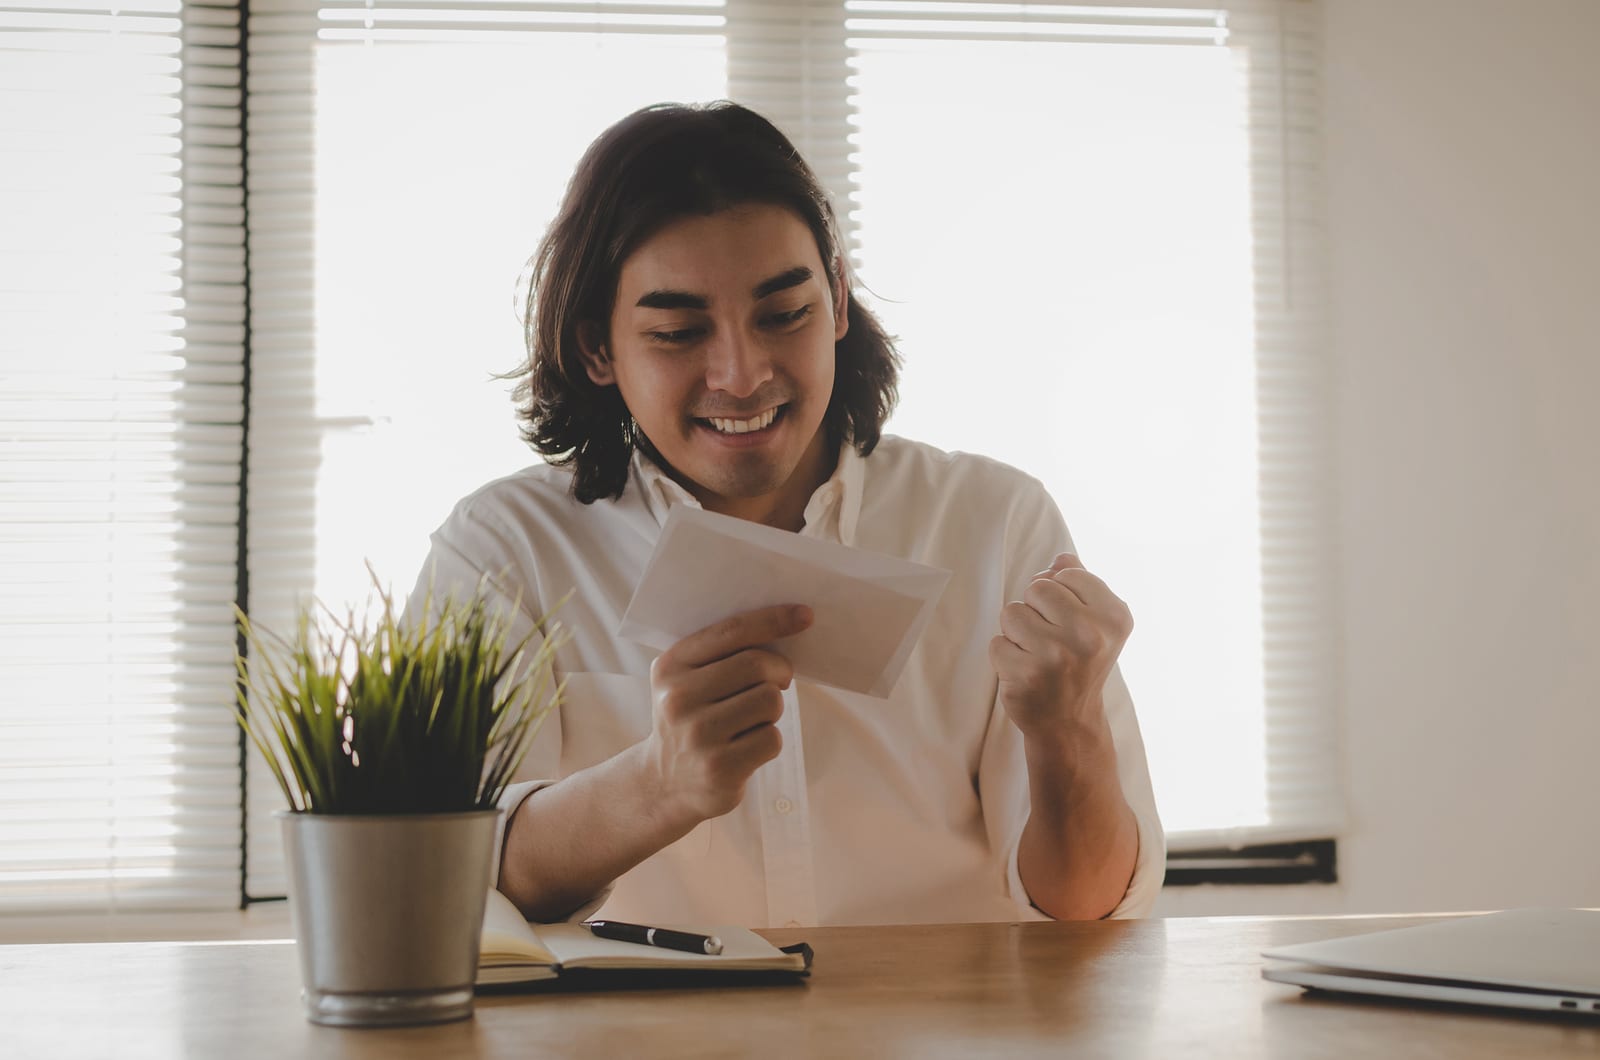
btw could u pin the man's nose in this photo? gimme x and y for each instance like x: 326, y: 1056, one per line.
x: 736, y: 363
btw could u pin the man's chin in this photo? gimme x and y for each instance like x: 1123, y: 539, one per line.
x: 747, y: 485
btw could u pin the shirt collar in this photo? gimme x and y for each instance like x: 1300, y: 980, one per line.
x: 831, y: 514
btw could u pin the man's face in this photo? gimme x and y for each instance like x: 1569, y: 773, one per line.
x: 722, y: 344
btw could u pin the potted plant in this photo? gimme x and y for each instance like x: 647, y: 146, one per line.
x: 392, y: 741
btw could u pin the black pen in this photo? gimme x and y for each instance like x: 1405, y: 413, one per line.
x: 665, y: 938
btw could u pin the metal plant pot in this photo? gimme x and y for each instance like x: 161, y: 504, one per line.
x: 387, y: 913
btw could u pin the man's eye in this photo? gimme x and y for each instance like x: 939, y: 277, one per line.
x: 793, y: 316
x: 674, y: 337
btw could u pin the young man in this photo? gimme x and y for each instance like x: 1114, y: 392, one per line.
x: 693, y: 339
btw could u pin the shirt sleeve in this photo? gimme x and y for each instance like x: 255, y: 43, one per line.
x: 510, y: 800
x: 466, y: 554
x: 1036, y: 534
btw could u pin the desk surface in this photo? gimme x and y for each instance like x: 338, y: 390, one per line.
x: 1155, y: 988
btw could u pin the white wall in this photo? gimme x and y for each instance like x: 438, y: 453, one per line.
x: 1462, y: 180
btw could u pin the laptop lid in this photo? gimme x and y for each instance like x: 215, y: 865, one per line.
x: 1521, y: 958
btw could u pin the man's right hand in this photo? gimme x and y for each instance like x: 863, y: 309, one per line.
x: 717, y: 698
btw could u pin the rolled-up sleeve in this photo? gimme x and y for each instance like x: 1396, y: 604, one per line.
x: 510, y: 800
x: 1037, y: 534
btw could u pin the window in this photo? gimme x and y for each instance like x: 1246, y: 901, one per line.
x: 1097, y: 218
x: 121, y: 339
x: 1091, y: 230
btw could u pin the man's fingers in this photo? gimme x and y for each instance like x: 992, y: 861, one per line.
x: 730, y: 718
x: 1089, y: 588
x: 1056, y: 603
x: 1024, y: 627
x: 1012, y: 664
x: 756, y: 747
x: 1069, y: 571
x: 1073, y: 602
x: 1063, y: 561
x: 689, y: 692
x: 733, y: 635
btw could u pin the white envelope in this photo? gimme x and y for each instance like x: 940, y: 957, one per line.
x: 868, y: 609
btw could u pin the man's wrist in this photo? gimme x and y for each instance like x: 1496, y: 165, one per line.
x: 1071, y: 752
x: 665, y: 814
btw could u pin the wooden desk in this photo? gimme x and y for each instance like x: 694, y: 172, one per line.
x: 1173, y: 988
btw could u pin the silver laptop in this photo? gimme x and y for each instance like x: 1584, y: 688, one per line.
x: 1542, y: 959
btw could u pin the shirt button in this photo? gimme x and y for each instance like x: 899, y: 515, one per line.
x: 783, y: 805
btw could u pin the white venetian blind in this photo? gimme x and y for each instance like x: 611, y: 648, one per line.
x: 121, y: 338
x: 1091, y: 225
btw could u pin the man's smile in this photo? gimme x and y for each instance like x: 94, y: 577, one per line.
x: 761, y: 421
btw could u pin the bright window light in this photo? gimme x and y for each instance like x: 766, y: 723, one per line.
x: 1060, y: 236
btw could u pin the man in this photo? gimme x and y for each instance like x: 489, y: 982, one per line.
x: 693, y: 339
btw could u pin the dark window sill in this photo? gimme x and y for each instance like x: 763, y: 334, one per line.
x: 1312, y: 861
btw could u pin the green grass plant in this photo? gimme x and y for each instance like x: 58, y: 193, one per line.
x: 380, y: 716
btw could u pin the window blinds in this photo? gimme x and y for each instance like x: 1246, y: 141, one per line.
x: 1276, y: 45
x: 406, y: 155
x: 121, y: 339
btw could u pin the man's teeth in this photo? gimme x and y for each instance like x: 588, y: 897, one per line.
x: 760, y: 422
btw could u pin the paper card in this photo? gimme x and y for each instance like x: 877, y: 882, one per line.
x: 868, y: 609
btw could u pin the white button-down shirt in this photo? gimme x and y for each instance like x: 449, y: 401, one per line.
x: 900, y: 810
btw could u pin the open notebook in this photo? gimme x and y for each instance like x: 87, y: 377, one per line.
x: 1540, y: 959
x: 515, y: 951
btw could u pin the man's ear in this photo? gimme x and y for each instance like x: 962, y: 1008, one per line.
x: 841, y: 300
x: 596, y: 359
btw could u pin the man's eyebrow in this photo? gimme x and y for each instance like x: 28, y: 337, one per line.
x: 782, y: 282
x: 671, y: 300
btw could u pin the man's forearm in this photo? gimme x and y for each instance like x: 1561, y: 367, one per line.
x: 569, y: 840
x: 1081, y: 842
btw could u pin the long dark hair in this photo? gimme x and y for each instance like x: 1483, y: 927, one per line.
x: 652, y: 167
